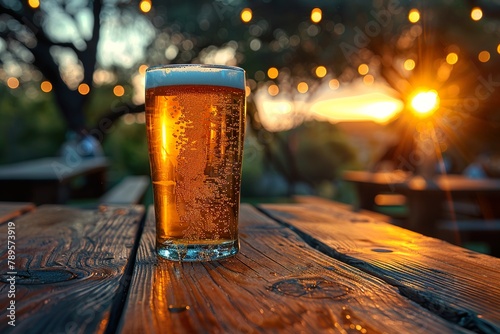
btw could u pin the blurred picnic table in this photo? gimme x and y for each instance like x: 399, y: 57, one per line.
x: 308, y: 267
x: 426, y: 198
x: 49, y: 180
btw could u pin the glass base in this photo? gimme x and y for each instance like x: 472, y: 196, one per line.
x: 189, y: 251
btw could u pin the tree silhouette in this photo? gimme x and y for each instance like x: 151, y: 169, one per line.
x: 280, y: 34
x: 32, y: 35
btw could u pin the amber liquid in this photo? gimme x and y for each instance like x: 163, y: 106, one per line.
x: 195, y: 136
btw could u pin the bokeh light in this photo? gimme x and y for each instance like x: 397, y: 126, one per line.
x: 145, y: 6
x: 46, y: 86
x: 302, y: 87
x: 484, y: 56
x: 13, y: 83
x: 320, y: 71
x: 409, y: 64
x: 34, y: 3
x: 498, y: 48
x: 363, y: 69
x: 142, y: 69
x: 452, y: 58
x: 118, y: 90
x: 272, y: 73
x: 316, y: 15
x: 414, y: 15
x: 83, y: 89
x: 368, y: 79
x: 246, y: 15
x: 334, y: 84
x: 476, y: 13
x: 273, y: 90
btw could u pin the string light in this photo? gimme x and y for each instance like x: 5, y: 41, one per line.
x: 452, y: 58
x: 484, y: 56
x: 476, y: 13
x: 83, y: 89
x: 145, y: 6
x: 272, y: 73
x: 34, y: 4
x: 368, y: 79
x: 302, y: 87
x: 118, y: 90
x: 246, y: 15
x: 316, y: 15
x: 273, y: 90
x: 320, y: 71
x: 334, y: 84
x: 414, y: 15
x: 409, y: 64
x: 363, y: 69
x: 46, y: 86
x: 13, y: 83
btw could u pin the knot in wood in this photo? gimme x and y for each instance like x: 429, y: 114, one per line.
x: 311, y: 287
x: 39, y: 276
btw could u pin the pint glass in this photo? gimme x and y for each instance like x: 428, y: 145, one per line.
x: 195, y: 117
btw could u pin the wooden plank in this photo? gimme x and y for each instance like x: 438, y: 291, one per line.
x: 9, y: 211
x: 130, y: 190
x: 455, y: 283
x: 276, y: 284
x: 69, y: 265
x: 52, y: 169
x: 327, y: 202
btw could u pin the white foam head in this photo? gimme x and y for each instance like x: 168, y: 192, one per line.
x: 195, y: 74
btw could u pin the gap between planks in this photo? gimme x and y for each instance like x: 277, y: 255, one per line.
x: 458, y: 314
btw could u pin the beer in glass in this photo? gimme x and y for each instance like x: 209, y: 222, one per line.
x: 195, y: 117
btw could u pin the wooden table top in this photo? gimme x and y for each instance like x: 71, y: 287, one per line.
x: 51, y: 169
x: 310, y: 267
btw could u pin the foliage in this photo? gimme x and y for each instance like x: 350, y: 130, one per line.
x: 377, y: 34
x: 30, y: 128
x: 126, y: 147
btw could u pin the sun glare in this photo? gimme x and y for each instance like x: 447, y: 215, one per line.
x: 425, y: 103
x: 373, y: 106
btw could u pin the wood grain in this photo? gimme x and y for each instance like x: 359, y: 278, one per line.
x: 276, y: 284
x: 454, y: 283
x: 69, y: 264
x: 323, y: 201
x: 9, y: 211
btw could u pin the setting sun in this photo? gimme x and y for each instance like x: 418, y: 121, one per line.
x: 425, y: 102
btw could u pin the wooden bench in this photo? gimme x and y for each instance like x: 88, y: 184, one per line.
x: 463, y: 232
x: 130, y: 190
